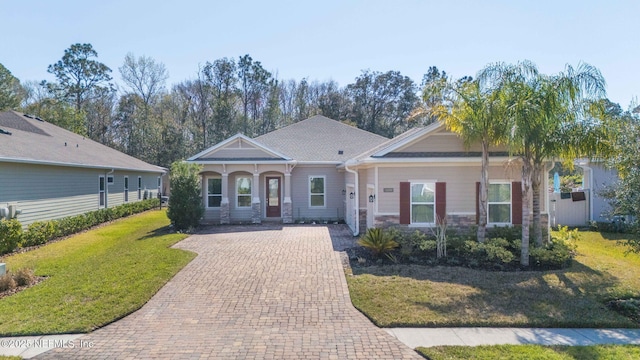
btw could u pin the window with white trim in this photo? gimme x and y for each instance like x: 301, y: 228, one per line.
x: 317, y: 191
x: 126, y: 189
x: 101, y: 191
x: 139, y: 187
x: 499, y: 203
x: 214, y: 192
x: 423, y: 203
x: 243, y: 192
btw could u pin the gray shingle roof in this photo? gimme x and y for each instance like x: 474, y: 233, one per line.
x: 389, y: 142
x: 320, y: 139
x: 35, y: 141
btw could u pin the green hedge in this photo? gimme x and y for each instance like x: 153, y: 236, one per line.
x: 40, y: 232
x: 10, y: 235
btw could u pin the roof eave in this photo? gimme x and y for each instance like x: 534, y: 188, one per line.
x: 376, y: 160
x: 86, y: 166
x: 240, y: 162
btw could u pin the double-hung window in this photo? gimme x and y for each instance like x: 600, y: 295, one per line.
x: 214, y: 192
x: 423, y: 203
x: 243, y: 192
x: 499, y: 203
x: 317, y: 191
x: 139, y: 187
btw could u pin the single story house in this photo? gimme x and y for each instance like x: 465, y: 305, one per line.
x: 47, y: 172
x: 320, y: 169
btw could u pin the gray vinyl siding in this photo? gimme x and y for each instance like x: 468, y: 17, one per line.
x: 602, y: 178
x: 44, y: 192
x: 334, y: 200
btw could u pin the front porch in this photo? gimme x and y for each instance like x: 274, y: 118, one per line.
x: 247, y: 193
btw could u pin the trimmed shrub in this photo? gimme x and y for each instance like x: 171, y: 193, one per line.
x: 185, y: 207
x: 551, y: 256
x: 509, y: 233
x: 39, y: 233
x: 498, y: 251
x: 378, y: 241
x: 10, y: 235
x: 492, y: 253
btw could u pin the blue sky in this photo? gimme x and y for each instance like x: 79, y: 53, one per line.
x: 331, y: 39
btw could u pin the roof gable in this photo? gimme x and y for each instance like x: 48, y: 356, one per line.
x: 238, y: 148
x: 433, y: 141
x: 406, y: 139
x: 320, y: 139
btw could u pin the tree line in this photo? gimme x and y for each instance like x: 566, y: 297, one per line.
x: 146, y: 119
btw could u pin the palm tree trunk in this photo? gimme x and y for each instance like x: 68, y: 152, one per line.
x: 526, y: 185
x: 484, y: 193
x: 535, y: 189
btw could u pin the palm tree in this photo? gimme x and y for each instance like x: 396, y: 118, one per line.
x: 475, y: 113
x: 512, y: 82
x: 543, y: 110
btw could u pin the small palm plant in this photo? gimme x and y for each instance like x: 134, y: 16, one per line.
x: 378, y: 241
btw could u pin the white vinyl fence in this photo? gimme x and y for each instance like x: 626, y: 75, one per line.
x: 570, y: 209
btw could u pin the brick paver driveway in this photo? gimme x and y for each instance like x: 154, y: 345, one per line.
x: 252, y: 292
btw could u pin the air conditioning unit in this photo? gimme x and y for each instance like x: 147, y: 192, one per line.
x: 10, y: 212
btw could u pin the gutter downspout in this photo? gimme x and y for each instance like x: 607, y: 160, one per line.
x: 356, y: 229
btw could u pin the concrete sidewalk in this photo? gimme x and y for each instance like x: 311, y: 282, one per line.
x: 30, y: 346
x: 427, y: 337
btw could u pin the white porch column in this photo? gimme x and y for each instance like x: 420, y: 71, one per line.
x: 287, y: 206
x: 256, y: 216
x: 225, y: 213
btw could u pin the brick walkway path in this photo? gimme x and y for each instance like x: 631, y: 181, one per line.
x: 264, y: 292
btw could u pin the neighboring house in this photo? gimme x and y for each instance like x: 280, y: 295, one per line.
x: 323, y: 170
x: 47, y: 172
x: 586, y: 204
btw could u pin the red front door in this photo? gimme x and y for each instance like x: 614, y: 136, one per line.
x: 273, y: 197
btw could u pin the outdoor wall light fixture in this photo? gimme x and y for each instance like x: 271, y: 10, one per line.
x: 351, y: 195
x: 372, y: 198
x: 344, y: 192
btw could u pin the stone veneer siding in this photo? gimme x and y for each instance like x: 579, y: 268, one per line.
x: 225, y: 214
x: 363, y: 220
x: 256, y: 215
x: 287, y: 213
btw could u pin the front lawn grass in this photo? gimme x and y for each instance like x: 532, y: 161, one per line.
x: 415, y: 295
x: 94, y: 277
x: 531, y: 352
